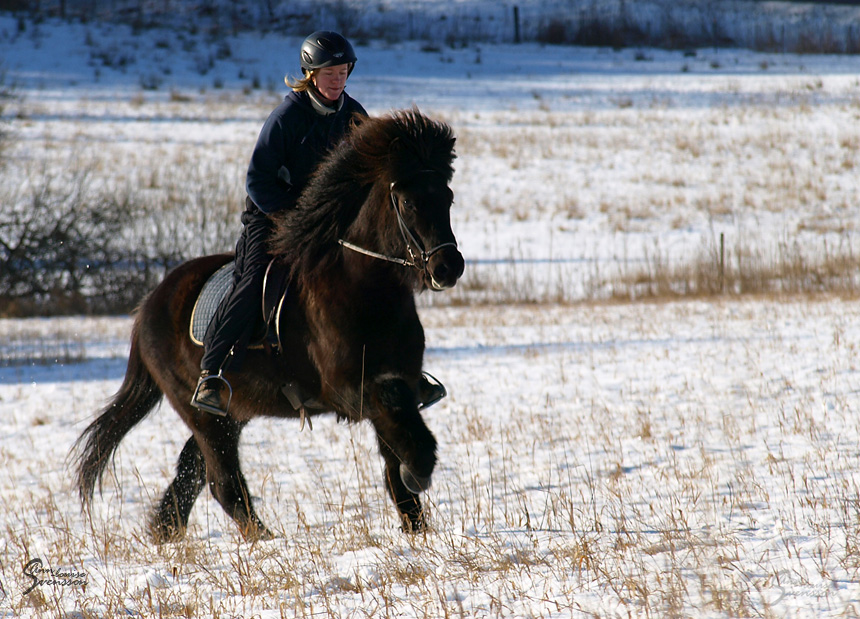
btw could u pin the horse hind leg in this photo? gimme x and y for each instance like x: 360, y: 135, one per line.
x: 170, y: 519
x: 219, y: 443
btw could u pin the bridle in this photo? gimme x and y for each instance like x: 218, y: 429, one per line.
x: 418, y: 256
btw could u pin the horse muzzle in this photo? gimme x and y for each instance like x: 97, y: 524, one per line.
x: 444, y: 267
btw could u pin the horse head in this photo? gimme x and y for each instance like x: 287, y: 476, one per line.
x: 407, y: 159
x: 383, y: 192
x: 422, y: 206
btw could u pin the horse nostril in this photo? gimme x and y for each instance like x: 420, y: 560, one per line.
x: 456, y: 266
x: 461, y: 267
x: 446, y: 269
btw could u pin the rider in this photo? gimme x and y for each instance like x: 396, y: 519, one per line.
x: 310, y: 121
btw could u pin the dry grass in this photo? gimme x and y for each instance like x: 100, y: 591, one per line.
x: 618, y: 191
x: 723, y: 270
x: 617, y: 473
x: 665, y: 459
x: 774, y: 182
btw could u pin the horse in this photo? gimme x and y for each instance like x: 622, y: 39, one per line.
x: 371, y: 230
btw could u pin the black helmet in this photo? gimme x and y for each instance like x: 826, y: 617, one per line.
x: 325, y: 48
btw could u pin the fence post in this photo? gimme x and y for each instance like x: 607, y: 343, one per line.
x: 516, y: 24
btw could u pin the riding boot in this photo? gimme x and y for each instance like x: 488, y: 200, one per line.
x: 430, y: 392
x: 208, y: 395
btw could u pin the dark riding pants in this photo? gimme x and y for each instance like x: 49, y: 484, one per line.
x: 241, y: 310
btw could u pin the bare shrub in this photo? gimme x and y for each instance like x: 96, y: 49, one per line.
x: 8, y: 94
x: 598, y: 32
x: 13, y: 5
x: 65, y: 250
x: 553, y: 32
x: 813, y: 42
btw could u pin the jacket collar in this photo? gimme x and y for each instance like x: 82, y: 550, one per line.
x: 321, y: 108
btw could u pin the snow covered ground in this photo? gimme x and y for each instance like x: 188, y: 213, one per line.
x: 688, y: 458
x: 693, y: 458
x: 596, y: 159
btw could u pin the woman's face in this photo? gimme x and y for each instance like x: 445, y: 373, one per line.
x: 330, y: 81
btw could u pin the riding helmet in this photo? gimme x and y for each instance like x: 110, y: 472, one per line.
x: 325, y: 48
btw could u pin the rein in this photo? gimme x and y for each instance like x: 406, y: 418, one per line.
x: 373, y: 254
x: 417, y: 260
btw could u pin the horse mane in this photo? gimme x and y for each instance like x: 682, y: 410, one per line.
x: 376, y: 151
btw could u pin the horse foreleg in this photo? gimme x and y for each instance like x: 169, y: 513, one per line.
x: 408, y: 504
x: 220, y: 447
x: 171, y: 516
x: 407, y: 446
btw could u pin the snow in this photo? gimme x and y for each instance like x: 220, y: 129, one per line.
x: 692, y: 458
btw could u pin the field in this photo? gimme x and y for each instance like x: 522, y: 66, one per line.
x: 632, y: 430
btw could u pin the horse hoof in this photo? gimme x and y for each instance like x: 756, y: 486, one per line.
x: 165, y: 533
x: 411, y: 525
x: 414, y: 483
x: 257, y: 533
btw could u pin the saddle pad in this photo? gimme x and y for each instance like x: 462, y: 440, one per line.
x: 215, y: 289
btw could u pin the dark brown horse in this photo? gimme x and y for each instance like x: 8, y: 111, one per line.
x: 371, y: 229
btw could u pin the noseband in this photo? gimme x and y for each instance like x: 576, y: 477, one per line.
x: 418, y: 257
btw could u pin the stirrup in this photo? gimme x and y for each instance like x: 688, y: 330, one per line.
x: 436, y: 392
x: 208, y: 407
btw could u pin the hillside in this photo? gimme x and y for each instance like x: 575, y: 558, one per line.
x: 764, y: 26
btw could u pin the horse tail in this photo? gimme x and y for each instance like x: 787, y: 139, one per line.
x: 96, y: 446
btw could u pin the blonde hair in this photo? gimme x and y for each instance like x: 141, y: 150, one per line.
x: 307, y: 81
x: 303, y: 84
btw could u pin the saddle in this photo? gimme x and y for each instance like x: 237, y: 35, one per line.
x: 219, y: 284
x: 266, y: 334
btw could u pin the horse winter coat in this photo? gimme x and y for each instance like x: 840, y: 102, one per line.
x: 370, y: 231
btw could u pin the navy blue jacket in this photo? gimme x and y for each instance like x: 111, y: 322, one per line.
x: 293, y: 140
